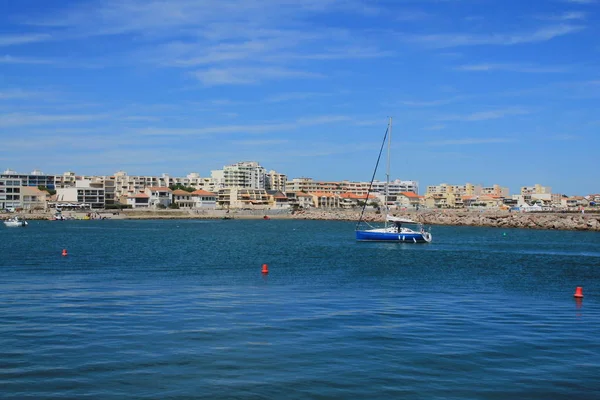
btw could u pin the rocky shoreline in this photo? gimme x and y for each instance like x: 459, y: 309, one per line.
x: 499, y: 219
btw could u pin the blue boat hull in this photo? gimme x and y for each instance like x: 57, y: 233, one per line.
x: 368, y: 236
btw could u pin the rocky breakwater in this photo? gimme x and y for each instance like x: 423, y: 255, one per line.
x: 561, y: 221
x: 534, y: 220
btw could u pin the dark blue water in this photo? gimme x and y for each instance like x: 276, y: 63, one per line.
x: 179, y: 309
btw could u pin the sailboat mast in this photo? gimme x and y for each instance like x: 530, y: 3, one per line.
x: 387, y: 173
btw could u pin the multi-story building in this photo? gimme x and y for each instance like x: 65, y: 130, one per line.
x: 33, y: 198
x: 10, y: 193
x: 182, y: 198
x: 35, y: 178
x: 308, y: 185
x: 396, y: 186
x: 85, y: 194
x: 243, y: 198
x: 467, y: 189
x: 495, y: 190
x: 275, y: 181
x: 159, y: 196
x: 245, y: 174
x: 204, y: 200
x: 536, y: 189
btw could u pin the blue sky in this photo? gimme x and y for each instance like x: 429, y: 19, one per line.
x: 481, y: 91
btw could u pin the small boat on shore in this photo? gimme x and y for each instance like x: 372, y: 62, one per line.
x: 15, y: 222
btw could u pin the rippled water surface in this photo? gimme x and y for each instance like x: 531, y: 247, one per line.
x: 180, y: 309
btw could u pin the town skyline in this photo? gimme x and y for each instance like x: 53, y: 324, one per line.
x: 480, y: 91
x: 379, y: 178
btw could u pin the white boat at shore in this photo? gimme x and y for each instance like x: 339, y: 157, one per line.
x: 15, y: 222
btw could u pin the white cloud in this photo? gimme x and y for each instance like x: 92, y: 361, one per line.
x: 250, y: 129
x: 506, y: 39
x: 17, y: 119
x: 13, y: 40
x: 7, y: 59
x: 248, y: 75
x: 485, y: 115
x: 566, y: 16
x: 431, y: 103
x: 469, y: 141
x: 512, y: 68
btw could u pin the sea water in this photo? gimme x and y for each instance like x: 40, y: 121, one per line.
x: 180, y: 309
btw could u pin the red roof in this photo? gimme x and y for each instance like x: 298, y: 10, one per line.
x: 410, y: 194
x: 201, y: 192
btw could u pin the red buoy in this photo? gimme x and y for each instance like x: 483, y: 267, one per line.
x: 265, y: 269
x: 64, y: 252
x: 578, y: 292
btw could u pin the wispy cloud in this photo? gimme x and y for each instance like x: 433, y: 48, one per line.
x: 566, y: 16
x: 436, y: 127
x: 431, y: 103
x: 505, y: 39
x: 512, y: 68
x: 7, y: 59
x: 264, y: 142
x: 485, y: 115
x: 18, y: 94
x: 581, y: 1
x: 469, y: 141
x: 249, y: 129
x: 16, y: 119
x: 248, y: 75
x: 13, y: 40
x: 291, y: 96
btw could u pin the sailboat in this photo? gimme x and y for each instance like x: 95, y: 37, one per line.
x: 399, y: 230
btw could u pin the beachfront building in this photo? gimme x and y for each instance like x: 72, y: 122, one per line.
x: 159, y: 196
x: 495, y: 190
x: 245, y: 174
x: 138, y: 200
x: 67, y: 179
x: 33, y: 198
x: 352, y: 200
x: 85, y: 194
x: 10, y: 193
x: 308, y: 185
x: 35, y: 178
x: 232, y: 198
x: 408, y: 201
x: 396, y: 186
x: 275, y: 181
x: 325, y: 200
x: 277, y: 199
x: 204, y: 200
x: 535, y: 189
x: 299, y: 200
x: 183, y: 199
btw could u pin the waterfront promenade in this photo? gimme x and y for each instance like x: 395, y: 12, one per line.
x: 502, y: 219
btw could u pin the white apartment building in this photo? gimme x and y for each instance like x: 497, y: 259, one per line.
x: 10, y: 193
x: 396, y: 186
x: 467, y: 189
x: 275, y: 181
x: 495, y: 190
x: 85, y: 193
x: 159, y: 195
x: 245, y: 174
x: 536, y: 189
x: 35, y: 178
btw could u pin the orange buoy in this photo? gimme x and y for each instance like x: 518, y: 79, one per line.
x: 578, y: 292
x: 64, y: 252
x: 265, y: 269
